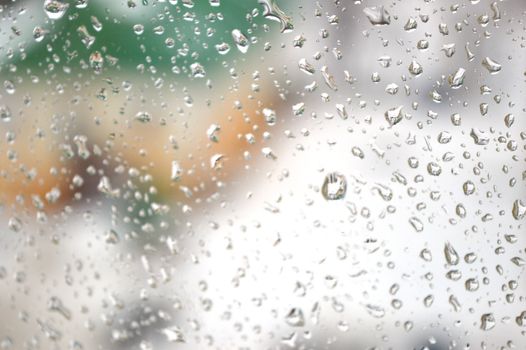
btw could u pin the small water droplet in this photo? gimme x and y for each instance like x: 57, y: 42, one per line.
x: 176, y: 171
x: 212, y: 132
x: 174, y: 334
x: 295, y: 318
x: 143, y: 117
x: 415, y: 68
x: 197, y: 70
x: 270, y: 116
x: 5, y: 113
x: 417, y: 224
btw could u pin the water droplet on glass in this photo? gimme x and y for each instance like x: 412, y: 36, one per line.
x: 105, y: 187
x: 472, y: 285
x: 415, y: 68
x: 81, y: 4
x: 451, y: 254
x: 518, y: 210
x: 378, y: 16
x: 492, y: 66
x: 216, y: 161
x: 240, y: 40
x: 479, y: 137
x: 468, y: 187
x: 174, y: 334
x: 456, y: 80
x: 273, y: 12
x: 9, y: 87
x: 410, y: 25
x: 487, y: 322
x: 197, y: 70
x: 334, y: 186
x: 212, y: 132
x: 5, y: 113
x: 394, y: 115
x: 270, y: 116
x: 176, y: 171
x: 416, y: 223
x: 39, y: 33
x: 295, y: 318
x: 85, y: 37
x: 375, y: 311
x: 55, y: 9
x: 434, y: 169
x: 306, y: 67
x: 143, y: 117
x: 14, y: 224
x: 521, y: 319
x: 222, y: 48
x: 96, y: 62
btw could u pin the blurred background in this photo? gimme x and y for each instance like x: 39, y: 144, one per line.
x: 267, y: 174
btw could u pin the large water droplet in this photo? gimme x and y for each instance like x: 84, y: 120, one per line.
x: 518, y: 210
x: 456, y: 80
x: 492, y: 66
x: 55, y: 9
x: 240, y: 40
x: 378, y: 16
x: 487, y: 322
x: 334, y: 186
x: 273, y: 12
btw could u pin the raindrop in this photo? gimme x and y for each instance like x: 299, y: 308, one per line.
x: 176, y: 171
x: 270, y: 116
x: 451, y: 254
x: 295, y: 318
x: 434, y: 169
x: 415, y: 68
x: 479, y: 137
x: 273, y: 12
x: 197, y: 70
x: 222, y: 48
x: 96, y: 62
x: 518, y: 210
x: 492, y: 66
x: 55, y: 9
x: 394, y: 115
x: 240, y: 40
x: 375, y: 310
x: 143, y: 117
x: 410, y: 25
x: 456, y: 80
x: 378, y: 16
x: 416, y: 223
x: 212, y: 132
x: 174, y: 334
x: 487, y: 322
x: 14, y: 224
x: 468, y: 187
x: 334, y: 186
x: 306, y: 67
x: 5, y: 113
